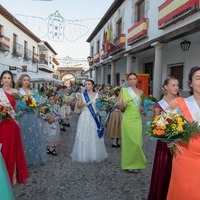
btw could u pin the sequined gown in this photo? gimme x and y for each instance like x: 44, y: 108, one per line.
x: 31, y: 132
x: 88, y: 147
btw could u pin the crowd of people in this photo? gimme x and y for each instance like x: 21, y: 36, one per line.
x: 31, y: 122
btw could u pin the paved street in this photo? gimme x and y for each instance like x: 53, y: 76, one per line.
x: 61, y: 179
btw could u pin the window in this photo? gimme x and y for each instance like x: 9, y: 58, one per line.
x: 177, y: 72
x: 119, y: 27
x: 92, y: 51
x: 14, y: 43
x: 98, y: 47
x: 1, y: 30
x: 33, y: 53
x: 108, y: 79
x: 140, y: 10
x: 25, y: 49
x: 117, y: 75
x: 148, y: 69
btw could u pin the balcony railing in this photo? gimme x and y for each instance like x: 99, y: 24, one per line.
x: 137, y: 32
x: 4, y: 43
x: 172, y: 11
x: 119, y: 43
x: 17, y: 49
x: 27, y: 54
x: 43, y: 62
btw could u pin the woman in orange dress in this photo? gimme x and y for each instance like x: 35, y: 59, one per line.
x: 185, y: 176
x: 10, y: 138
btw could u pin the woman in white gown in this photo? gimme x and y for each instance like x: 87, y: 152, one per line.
x: 88, y: 147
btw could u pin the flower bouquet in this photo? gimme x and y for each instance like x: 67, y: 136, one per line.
x: 148, y: 102
x: 4, y: 110
x: 30, y: 101
x: 171, y: 127
x: 102, y: 105
x: 68, y: 99
x: 44, y: 110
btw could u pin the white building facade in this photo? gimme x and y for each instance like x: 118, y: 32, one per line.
x: 145, y: 37
x: 23, y: 52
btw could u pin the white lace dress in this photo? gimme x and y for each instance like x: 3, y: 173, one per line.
x: 88, y: 147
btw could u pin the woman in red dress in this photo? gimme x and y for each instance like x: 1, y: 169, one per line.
x: 10, y: 138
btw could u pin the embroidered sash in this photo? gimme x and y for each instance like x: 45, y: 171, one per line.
x: 98, y: 121
x: 7, y: 102
x: 134, y: 97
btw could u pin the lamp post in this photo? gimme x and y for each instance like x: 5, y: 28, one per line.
x: 90, y: 60
x: 185, y: 45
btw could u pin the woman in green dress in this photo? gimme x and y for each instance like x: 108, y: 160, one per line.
x: 5, y: 185
x: 133, y: 158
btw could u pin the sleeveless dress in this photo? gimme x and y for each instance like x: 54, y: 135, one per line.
x: 12, y: 149
x: 31, y: 132
x: 132, y: 153
x: 88, y: 147
x: 185, y: 177
x: 6, y: 189
x: 161, y: 173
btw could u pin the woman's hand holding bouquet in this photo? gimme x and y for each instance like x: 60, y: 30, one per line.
x: 172, y: 128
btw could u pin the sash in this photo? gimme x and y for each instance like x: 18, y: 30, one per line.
x: 113, y: 108
x: 190, y: 109
x: 134, y: 97
x: 7, y: 102
x: 98, y: 121
x: 163, y: 104
x: 53, y: 109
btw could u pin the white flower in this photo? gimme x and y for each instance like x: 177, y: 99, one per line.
x: 161, y: 121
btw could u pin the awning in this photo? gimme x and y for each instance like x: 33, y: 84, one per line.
x: 41, y: 78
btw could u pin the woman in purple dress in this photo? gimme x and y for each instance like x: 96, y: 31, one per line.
x: 163, y: 160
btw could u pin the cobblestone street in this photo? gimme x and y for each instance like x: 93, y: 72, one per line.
x: 61, y: 179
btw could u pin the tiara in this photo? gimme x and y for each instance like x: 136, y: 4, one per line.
x: 90, y: 79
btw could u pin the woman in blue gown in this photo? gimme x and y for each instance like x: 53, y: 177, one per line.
x: 5, y: 186
x: 30, y: 124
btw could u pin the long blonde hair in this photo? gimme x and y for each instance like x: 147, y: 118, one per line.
x: 19, y: 81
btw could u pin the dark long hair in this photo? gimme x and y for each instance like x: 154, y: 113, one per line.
x: 92, y: 81
x: 190, y: 76
x: 11, y: 74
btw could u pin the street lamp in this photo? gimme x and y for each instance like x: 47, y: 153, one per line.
x: 90, y: 60
x: 133, y: 59
x: 185, y: 45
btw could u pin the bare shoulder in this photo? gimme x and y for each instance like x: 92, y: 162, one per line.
x: 138, y: 91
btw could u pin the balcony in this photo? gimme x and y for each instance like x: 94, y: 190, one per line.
x: 137, y: 32
x: 96, y: 57
x: 17, y: 49
x: 172, y: 11
x: 44, y: 66
x: 119, y: 44
x: 4, y: 43
x: 27, y: 54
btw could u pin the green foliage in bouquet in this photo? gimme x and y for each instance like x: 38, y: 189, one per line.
x: 172, y: 127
